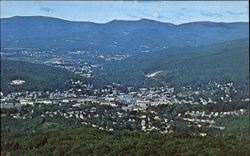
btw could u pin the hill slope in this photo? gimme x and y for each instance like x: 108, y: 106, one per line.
x: 89, y: 141
x: 37, y: 77
x: 218, y: 62
x: 115, y: 36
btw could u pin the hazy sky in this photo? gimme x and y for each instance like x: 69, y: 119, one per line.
x: 103, y: 11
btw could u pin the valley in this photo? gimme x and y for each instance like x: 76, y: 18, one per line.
x: 122, y: 81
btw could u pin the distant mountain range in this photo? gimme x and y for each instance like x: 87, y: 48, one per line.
x: 115, y: 36
x: 161, y: 53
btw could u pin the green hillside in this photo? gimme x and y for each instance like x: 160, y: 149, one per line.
x: 37, y: 77
x: 89, y: 141
x: 191, y: 65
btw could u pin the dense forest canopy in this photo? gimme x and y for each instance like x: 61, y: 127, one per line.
x: 89, y: 141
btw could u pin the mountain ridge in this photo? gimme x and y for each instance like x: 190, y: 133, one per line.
x: 118, y: 20
x: 116, y: 36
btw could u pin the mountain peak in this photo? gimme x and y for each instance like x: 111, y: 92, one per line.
x: 140, y: 21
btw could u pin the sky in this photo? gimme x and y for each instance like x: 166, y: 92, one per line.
x: 176, y: 12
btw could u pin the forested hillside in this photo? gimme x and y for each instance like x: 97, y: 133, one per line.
x: 226, y: 61
x: 37, y: 77
x: 89, y: 141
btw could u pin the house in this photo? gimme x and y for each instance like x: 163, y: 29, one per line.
x: 26, y: 102
x: 17, y: 82
x: 127, y: 108
x: 77, y: 105
x: 203, y: 134
x: 46, y: 102
x: 65, y: 101
x: 93, y: 109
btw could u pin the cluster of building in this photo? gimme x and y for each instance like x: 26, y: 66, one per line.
x: 86, y: 107
x: 130, y: 99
